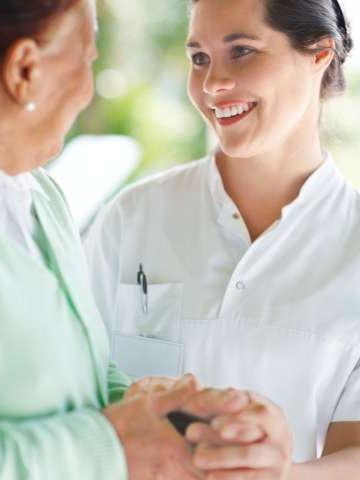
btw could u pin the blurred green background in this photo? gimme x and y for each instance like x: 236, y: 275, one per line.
x: 141, y: 89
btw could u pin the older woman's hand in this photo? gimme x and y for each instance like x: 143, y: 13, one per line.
x: 253, y: 442
x: 153, y: 448
x: 150, y: 385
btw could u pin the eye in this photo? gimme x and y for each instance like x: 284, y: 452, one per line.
x: 200, y: 59
x: 239, y: 51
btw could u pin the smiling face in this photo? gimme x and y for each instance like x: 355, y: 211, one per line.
x: 246, y: 80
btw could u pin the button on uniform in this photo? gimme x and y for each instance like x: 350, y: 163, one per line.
x: 240, y: 285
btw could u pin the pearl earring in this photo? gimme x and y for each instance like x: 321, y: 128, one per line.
x: 30, y: 107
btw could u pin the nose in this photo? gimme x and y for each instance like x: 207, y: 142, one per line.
x: 217, y: 80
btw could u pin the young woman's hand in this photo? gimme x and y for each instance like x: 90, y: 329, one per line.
x: 253, y: 443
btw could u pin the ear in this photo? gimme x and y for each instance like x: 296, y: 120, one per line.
x: 324, y: 53
x: 21, y: 70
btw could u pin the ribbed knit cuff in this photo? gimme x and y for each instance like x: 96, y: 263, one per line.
x: 104, y: 446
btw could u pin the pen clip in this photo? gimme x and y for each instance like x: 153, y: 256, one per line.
x: 142, y: 281
x: 139, y: 274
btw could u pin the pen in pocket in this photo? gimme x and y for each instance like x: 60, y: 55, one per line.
x: 142, y: 282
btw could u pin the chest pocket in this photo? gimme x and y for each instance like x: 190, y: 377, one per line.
x: 147, y: 343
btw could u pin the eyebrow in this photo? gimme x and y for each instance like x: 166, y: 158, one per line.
x: 227, y: 39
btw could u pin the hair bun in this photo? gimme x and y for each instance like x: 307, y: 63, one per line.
x: 348, y: 43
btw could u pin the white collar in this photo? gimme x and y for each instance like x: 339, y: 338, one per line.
x: 23, y: 182
x: 317, y: 185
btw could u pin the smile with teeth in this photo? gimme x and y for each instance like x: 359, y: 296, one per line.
x: 233, y: 110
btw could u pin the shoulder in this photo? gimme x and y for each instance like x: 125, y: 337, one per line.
x: 350, y: 206
x: 176, y: 179
x: 343, y: 219
x: 176, y: 184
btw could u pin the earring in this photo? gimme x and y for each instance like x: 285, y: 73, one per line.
x: 30, y: 107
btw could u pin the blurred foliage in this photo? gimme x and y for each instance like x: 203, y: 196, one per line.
x: 143, y: 47
x: 141, y: 89
x: 341, y: 129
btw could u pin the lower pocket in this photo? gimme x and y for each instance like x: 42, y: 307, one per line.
x: 139, y: 356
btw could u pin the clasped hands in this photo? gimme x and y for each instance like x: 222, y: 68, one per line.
x: 245, y: 437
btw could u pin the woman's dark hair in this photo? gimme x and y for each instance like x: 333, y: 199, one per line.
x: 308, y: 21
x: 27, y: 18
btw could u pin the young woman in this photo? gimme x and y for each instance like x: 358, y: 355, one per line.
x: 244, y: 267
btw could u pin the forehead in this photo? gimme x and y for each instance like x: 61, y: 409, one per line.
x: 75, y: 25
x: 87, y: 17
x: 222, y: 16
x: 93, y: 12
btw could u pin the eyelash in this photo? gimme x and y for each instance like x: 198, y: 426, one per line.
x: 237, y: 52
x: 238, y: 49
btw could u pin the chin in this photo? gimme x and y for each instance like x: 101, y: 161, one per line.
x: 49, y: 154
x: 56, y: 149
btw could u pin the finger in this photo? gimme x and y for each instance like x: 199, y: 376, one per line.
x: 256, y: 456
x: 271, y: 422
x: 231, y: 425
x: 136, y: 388
x: 149, y: 385
x: 210, y: 402
x: 241, y: 475
x: 203, y: 433
x: 243, y: 434
x: 186, y: 376
x: 151, y: 382
x: 176, y: 397
x: 161, y: 384
x: 258, y: 400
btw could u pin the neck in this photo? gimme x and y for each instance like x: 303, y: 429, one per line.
x: 16, y: 149
x: 6, y: 159
x: 260, y: 186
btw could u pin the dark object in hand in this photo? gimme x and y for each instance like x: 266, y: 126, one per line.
x: 181, y: 420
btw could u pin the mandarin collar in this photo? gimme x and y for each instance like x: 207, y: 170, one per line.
x: 319, y: 183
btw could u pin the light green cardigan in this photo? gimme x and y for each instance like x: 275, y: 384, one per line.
x: 54, y: 371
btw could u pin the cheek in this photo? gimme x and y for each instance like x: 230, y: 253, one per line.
x: 281, y: 86
x: 75, y: 98
x: 255, y: 77
x: 195, y: 91
x: 291, y: 98
x: 85, y: 85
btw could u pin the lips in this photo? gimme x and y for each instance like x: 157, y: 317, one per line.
x: 225, y: 121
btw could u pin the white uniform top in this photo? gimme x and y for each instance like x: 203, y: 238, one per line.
x: 280, y: 316
x: 16, y: 217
